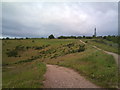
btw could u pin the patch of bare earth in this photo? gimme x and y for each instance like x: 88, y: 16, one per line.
x: 61, y: 77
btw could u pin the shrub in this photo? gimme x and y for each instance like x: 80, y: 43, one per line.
x: 38, y: 48
x: 70, y: 45
x: 33, y: 41
x: 19, y: 48
x: 81, y: 48
x: 86, y: 41
x: 28, y: 47
x: 12, y: 53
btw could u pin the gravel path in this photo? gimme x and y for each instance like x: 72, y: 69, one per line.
x: 61, y: 77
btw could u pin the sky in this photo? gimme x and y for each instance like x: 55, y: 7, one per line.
x: 40, y: 19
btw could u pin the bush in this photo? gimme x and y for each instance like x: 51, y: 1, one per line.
x: 20, y: 48
x: 28, y: 47
x: 33, y: 41
x: 81, y: 48
x: 38, y: 48
x: 12, y: 53
x: 86, y: 41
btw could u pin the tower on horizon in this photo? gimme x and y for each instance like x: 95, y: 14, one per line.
x: 95, y: 32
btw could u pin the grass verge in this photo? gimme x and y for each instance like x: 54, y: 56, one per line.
x: 27, y: 75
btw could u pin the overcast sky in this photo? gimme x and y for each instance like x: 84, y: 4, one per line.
x: 59, y: 18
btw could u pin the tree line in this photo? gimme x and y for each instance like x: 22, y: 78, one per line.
x: 109, y: 37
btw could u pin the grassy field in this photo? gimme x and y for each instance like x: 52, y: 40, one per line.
x: 24, y: 61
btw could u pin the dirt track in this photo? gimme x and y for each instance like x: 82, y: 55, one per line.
x: 61, y: 77
x: 111, y: 53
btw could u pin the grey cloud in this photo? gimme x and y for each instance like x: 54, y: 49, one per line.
x: 42, y: 19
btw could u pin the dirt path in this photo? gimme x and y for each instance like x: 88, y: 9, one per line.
x: 111, y: 53
x: 61, y: 77
x: 82, y: 42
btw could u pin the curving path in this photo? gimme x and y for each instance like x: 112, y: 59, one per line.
x: 116, y: 56
x: 111, y: 53
x: 61, y: 77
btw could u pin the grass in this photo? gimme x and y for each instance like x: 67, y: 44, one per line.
x: 27, y: 67
x: 28, y: 75
x: 100, y: 68
x: 104, y: 44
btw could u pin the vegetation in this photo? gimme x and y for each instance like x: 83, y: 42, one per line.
x: 24, y: 68
x: 24, y: 60
x: 12, y: 53
x: 27, y: 75
x: 104, y: 44
x: 81, y: 48
x: 51, y: 36
x: 100, y: 68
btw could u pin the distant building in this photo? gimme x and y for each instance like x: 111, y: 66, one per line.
x: 95, y: 32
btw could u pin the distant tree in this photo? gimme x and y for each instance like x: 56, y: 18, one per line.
x: 51, y: 36
x: 83, y: 36
x: 21, y: 38
x: 88, y: 37
x: 27, y: 38
x: 104, y: 37
x: 15, y: 38
x: 93, y: 36
x: 7, y: 38
x: 79, y: 37
x: 42, y: 37
x: 67, y: 37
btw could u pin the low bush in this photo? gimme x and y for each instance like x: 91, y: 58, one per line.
x: 81, y: 48
x: 19, y: 48
x: 38, y: 48
x: 12, y: 53
x: 86, y: 41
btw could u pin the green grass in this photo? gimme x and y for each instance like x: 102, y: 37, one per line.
x: 103, y: 44
x: 100, y: 68
x: 28, y: 75
x: 26, y: 69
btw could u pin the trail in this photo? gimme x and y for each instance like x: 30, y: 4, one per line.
x: 61, y: 77
x: 110, y: 53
